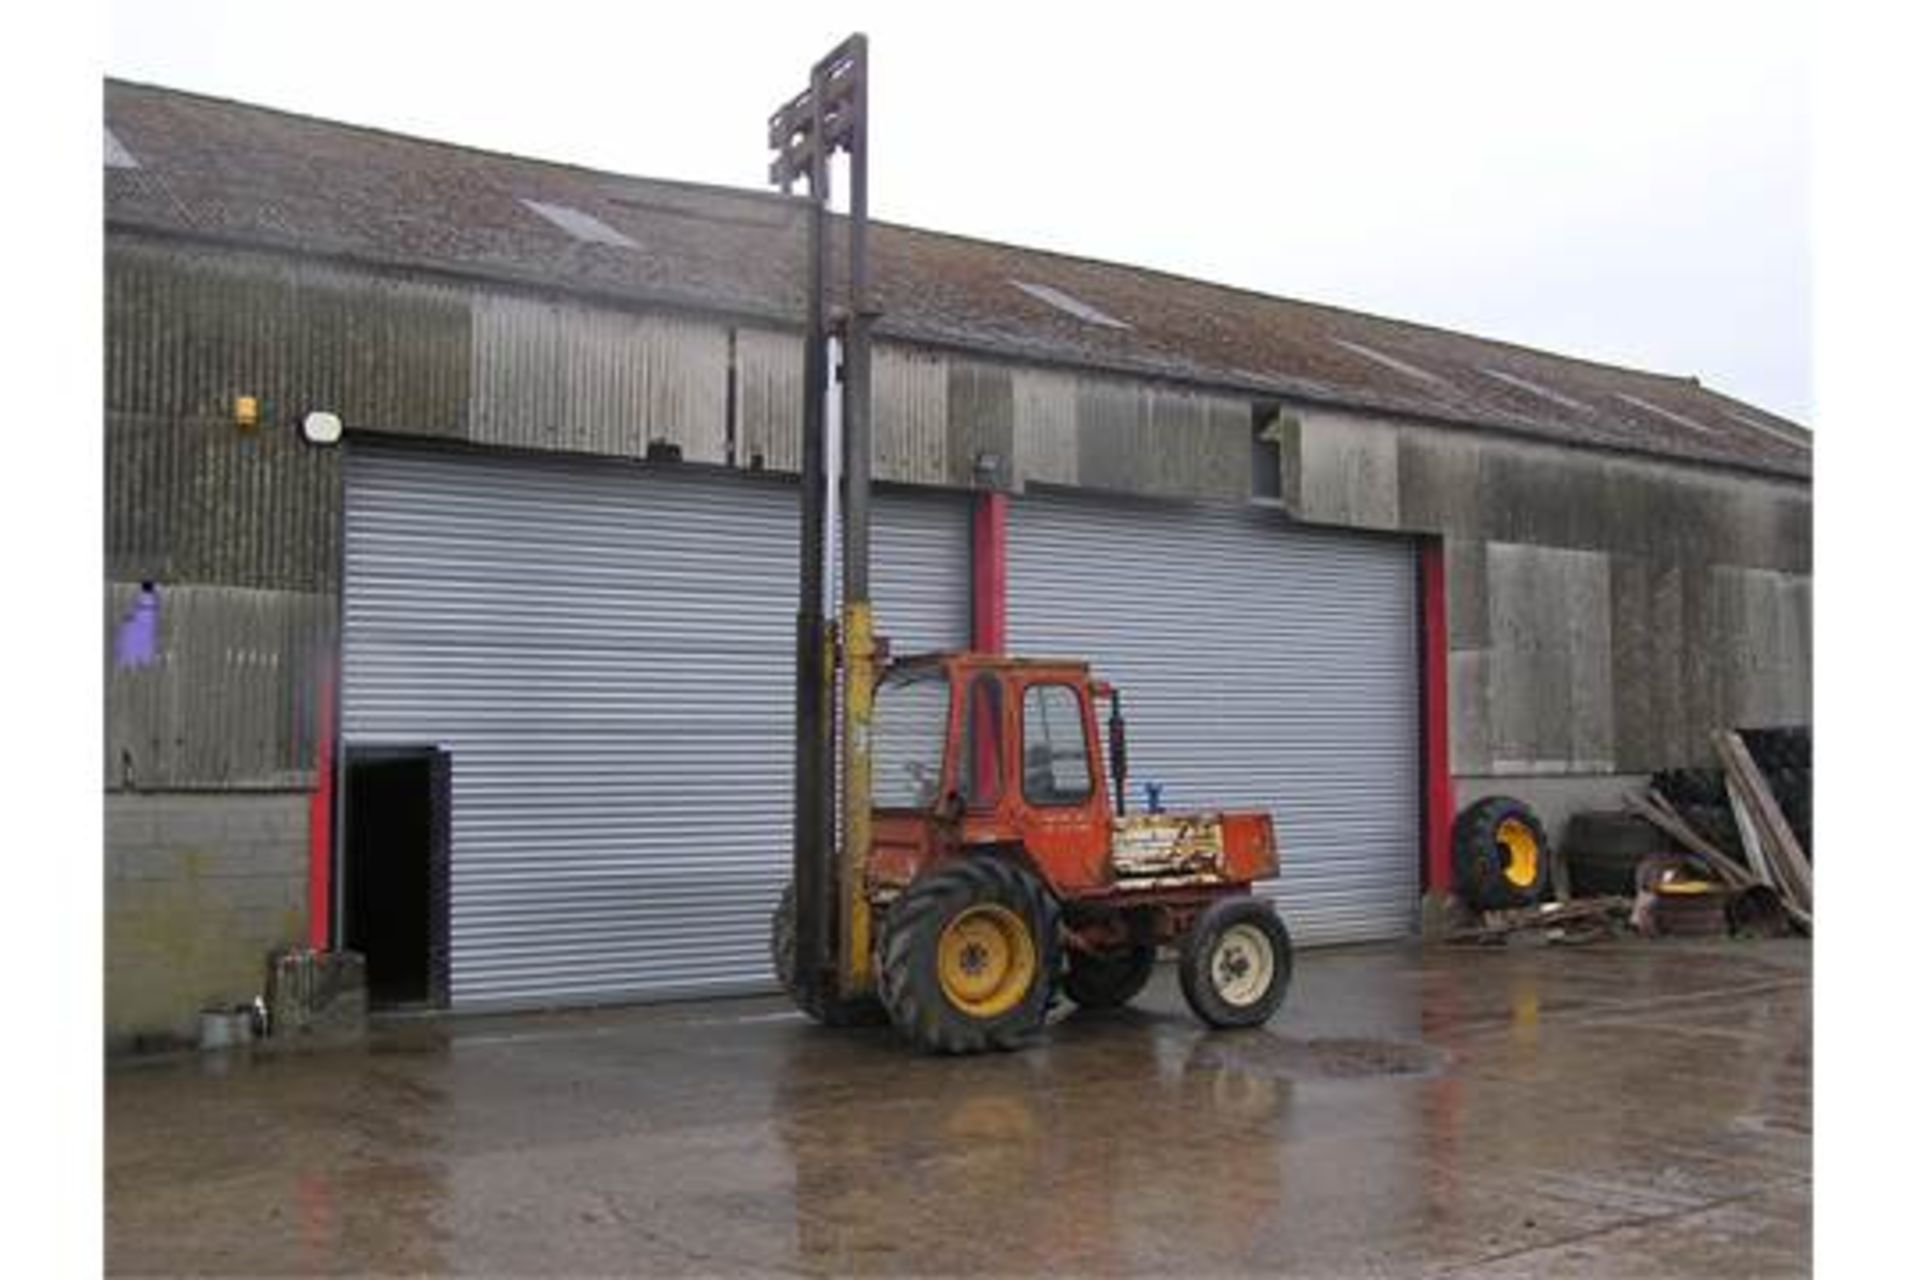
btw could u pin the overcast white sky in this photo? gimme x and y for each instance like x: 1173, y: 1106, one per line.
x: 1623, y: 181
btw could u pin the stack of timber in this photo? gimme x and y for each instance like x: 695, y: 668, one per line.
x: 1769, y: 840
x: 1775, y: 879
x: 1785, y: 758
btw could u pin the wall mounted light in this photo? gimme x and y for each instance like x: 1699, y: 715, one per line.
x: 246, y: 412
x: 989, y: 469
x: 321, y: 428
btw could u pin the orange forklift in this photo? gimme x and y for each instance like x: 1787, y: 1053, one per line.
x: 1002, y: 868
x: 985, y: 860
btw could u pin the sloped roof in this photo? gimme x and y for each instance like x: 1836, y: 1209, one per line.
x: 186, y: 164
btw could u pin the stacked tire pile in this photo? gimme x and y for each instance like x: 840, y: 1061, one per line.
x: 1604, y: 850
x: 1700, y: 796
x: 1785, y: 757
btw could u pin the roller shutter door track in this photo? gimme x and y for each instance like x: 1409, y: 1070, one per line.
x: 1263, y: 666
x: 606, y: 650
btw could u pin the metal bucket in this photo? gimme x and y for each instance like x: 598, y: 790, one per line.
x: 225, y: 1028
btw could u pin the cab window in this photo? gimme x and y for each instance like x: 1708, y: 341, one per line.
x: 1055, y: 764
x: 909, y: 734
x: 980, y: 750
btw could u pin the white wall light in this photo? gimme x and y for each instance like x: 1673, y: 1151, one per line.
x: 321, y: 428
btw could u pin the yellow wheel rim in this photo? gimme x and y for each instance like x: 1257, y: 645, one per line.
x: 1523, y: 851
x: 987, y: 960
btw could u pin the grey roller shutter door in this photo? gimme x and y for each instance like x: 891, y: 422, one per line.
x: 606, y: 650
x: 1263, y: 666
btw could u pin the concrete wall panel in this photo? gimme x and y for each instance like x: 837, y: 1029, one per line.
x: 1589, y: 644
x: 1469, y: 709
x: 1763, y: 616
x: 1349, y: 471
x: 1551, y: 679
x: 1222, y: 471
x: 1468, y: 623
x: 1630, y: 649
x: 1666, y: 665
x: 1442, y: 485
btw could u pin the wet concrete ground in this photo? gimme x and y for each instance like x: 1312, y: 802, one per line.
x: 1625, y: 1109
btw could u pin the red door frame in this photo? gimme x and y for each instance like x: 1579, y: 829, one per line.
x: 990, y: 573
x: 1435, y: 756
x: 320, y: 824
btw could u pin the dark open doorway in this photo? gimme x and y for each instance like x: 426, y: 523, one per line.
x: 396, y: 871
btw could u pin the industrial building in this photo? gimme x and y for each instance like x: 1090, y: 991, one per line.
x: 513, y: 657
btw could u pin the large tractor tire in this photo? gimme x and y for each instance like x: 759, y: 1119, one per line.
x: 1604, y: 849
x: 1236, y: 963
x: 1500, y: 855
x: 1108, y: 979
x: 968, y: 956
x: 826, y: 1010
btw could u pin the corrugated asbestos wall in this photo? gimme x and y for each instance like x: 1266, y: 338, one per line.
x: 192, y: 500
x: 939, y: 416
x: 1604, y: 612
x: 223, y: 695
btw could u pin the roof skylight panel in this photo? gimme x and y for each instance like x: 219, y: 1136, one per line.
x: 1386, y: 361
x: 118, y: 157
x: 1534, y: 388
x: 581, y: 226
x: 1071, y: 305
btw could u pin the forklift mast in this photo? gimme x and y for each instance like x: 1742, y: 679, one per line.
x: 832, y: 922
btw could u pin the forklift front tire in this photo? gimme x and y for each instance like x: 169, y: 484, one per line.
x: 967, y: 957
x: 1236, y: 963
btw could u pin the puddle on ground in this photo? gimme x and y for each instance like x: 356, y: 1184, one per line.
x: 1324, y: 1057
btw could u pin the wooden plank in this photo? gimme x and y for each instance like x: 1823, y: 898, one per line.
x: 1750, y: 838
x: 1723, y: 866
x: 1795, y: 873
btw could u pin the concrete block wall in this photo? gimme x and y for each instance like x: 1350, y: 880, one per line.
x: 199, y: 889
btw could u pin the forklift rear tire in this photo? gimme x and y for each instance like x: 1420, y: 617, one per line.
x: 1236, y: 963
x: 825, y: 1010
x: 1108, y: 979
x: 968, y: 956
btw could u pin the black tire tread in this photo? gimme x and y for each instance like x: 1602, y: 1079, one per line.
x: 1613, y: 832
x: 915, y: 1005
x: 1108, y: 980
x: 828, y: 1011
x: 1478, y: 861
x: 1196, y: 969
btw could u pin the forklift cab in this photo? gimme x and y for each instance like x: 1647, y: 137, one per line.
x: 980, y: 750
